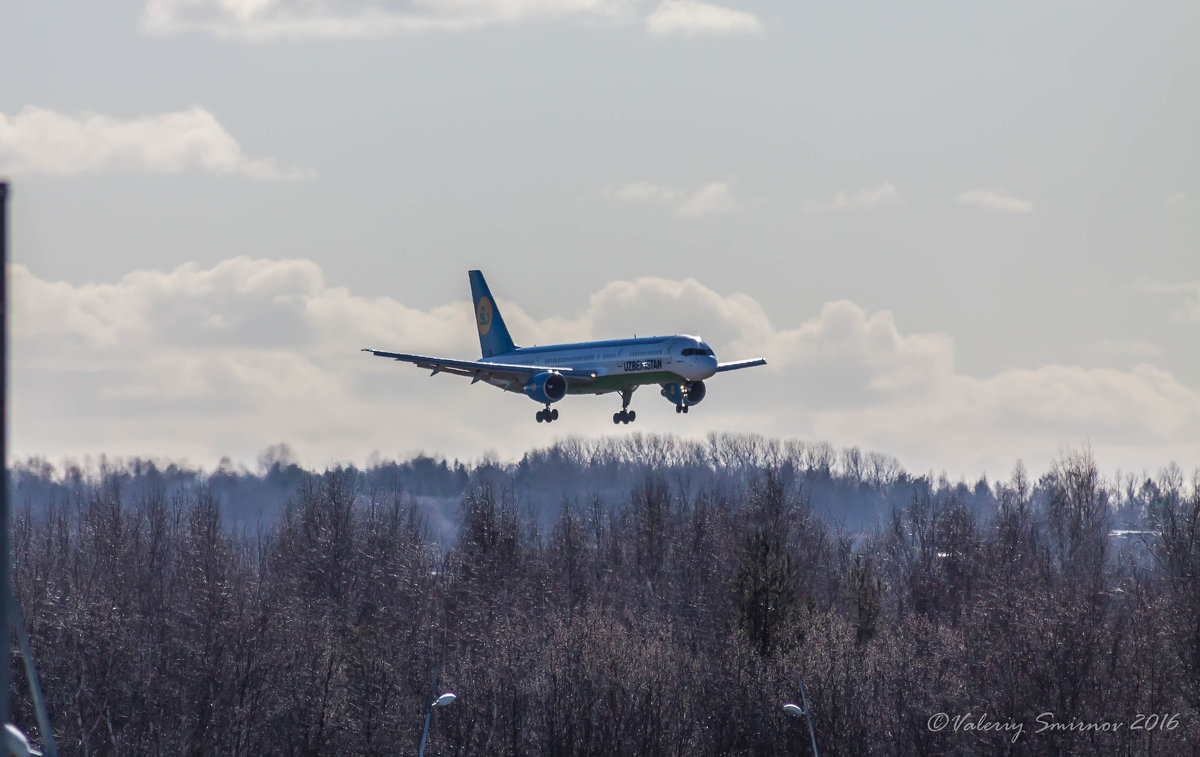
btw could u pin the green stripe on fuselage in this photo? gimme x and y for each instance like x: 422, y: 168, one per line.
x: 617, y: 382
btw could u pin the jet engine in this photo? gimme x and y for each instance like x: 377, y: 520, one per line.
x: 687, y: 394
x: 546, y: 387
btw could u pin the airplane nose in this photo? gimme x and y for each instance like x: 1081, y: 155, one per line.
x: 704, y: 367
x: 699, y: 367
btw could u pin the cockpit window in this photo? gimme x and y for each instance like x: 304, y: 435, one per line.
x: 696, y: 351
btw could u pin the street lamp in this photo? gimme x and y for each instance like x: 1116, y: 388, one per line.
x: 795, y: 709
x: 16, y: 744
x: 441, y: 701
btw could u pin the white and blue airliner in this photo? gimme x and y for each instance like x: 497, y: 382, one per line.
x: 678, y: 363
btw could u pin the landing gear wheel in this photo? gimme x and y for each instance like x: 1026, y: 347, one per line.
x: 626, y: 415
x: 554, y: 414
x: 685, y: 408
x: 540, y: 416
x: 679, y: 408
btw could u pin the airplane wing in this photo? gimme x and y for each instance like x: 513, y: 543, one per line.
x: 483, y: 371
x: 733, y: 366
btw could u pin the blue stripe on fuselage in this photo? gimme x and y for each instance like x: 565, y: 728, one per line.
x: 604, y: 345
x: 615, y: 344
x: 599, y: 353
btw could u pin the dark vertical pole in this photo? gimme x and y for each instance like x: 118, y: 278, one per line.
x: 49, y: 748
x: 429, y: 711
x: 808, y: 717
x: 5, y: 579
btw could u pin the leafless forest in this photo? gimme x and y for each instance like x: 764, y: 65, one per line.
x: 643, y: 596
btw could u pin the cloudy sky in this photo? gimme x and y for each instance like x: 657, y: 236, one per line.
x: 960, y: 233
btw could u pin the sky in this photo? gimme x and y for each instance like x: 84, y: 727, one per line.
x: 962, y: 234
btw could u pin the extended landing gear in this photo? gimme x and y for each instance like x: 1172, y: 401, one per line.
x: 681, y: 408
x: 547, y: 415
x: 626, y: 415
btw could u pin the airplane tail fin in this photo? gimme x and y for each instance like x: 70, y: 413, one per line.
x: 493, y: 334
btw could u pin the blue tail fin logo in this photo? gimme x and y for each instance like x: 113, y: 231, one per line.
x: 493, y: 334
x: 483, y: 315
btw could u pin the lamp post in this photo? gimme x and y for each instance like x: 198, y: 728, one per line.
x: 441, y: 701
x: 5, y: 579
x: 794, y: 709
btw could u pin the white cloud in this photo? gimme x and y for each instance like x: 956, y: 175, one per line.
x: 997, y: 200
x: 1134, y: 348
x: 38, y: 140
x: 1176, y: 200
x: 643, y: 191
x: 691, y: 18
x: 226, y: 360
x: 280, y: 304
x: 713, y: 198
x: 262, y: 20
x: 1189, y: 310
x: 876, y: 197
x: 204, y: 362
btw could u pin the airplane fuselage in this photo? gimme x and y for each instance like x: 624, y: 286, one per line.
x: 619, y: 363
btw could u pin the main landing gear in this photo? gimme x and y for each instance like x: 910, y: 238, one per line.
x: 547, y: 415
x: 626, y: 415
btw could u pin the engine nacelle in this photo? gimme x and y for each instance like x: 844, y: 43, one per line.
x: 687, y: 394
x: 546, y: 387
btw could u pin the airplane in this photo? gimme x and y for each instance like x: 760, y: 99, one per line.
x: 679, y: 364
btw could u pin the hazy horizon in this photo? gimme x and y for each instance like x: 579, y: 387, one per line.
x: 282, y: 453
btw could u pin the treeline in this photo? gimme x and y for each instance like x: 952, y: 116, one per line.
x: 848, y: 488
x: 672, y: 619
